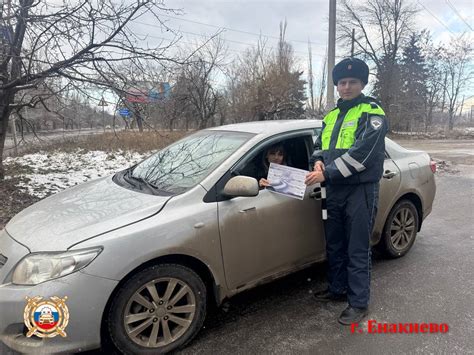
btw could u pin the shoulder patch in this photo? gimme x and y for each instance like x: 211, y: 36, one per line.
x: 376, y: 122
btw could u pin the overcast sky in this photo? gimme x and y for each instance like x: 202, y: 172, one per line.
x: 306, y: 20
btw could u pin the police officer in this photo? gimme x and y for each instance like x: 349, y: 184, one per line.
x: 348, y: 158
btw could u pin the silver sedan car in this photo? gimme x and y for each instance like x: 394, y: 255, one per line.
x: 143, y: 253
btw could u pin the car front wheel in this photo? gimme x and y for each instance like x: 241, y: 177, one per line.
x: 157, y: 310
x: 400, y: 229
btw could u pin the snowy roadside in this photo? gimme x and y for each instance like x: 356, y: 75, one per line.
x: 48, y: 173
x: 44, y: 174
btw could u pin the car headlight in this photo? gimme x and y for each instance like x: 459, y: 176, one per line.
x: 40, y: 267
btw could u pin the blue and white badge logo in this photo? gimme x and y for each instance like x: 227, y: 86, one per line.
x: 376, y: 122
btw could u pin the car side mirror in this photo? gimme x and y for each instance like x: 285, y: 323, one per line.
x: 244, y: 186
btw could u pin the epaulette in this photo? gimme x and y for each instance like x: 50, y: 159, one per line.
x: 372, y: 101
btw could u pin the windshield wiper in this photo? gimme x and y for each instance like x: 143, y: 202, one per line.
x: 129, y: 176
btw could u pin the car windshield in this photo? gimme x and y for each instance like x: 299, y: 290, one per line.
x: 187, y: 162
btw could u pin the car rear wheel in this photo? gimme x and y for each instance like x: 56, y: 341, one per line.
x: 157, y: 310
x: 400, y: 229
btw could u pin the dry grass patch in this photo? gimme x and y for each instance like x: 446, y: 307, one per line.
x: 13, y: 199
x: 130, y: 140
x: 110, y: 141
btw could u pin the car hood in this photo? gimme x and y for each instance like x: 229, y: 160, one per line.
x: 79, y: 213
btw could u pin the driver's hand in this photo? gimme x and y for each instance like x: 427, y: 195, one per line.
x: 263, y: 182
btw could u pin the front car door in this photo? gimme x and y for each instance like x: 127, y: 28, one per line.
x: 269, y: 234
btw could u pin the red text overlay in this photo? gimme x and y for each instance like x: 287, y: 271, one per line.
x: 374, y: 327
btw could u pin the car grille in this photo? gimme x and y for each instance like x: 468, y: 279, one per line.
x: 3, y: 260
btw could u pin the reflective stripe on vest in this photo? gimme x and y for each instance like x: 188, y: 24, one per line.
x: 346, y: 137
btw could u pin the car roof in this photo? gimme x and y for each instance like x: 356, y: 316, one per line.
x: 270, y: 126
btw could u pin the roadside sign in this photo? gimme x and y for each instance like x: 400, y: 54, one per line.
x: 144, y: 95
x: 161, y: 92
x: 125, y: 112
x: 102, y: 102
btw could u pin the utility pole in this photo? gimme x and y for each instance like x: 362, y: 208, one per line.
x: 352, y: 42
x: 331, y: 52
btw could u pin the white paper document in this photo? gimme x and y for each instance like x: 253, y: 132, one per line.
x: 287, y: 181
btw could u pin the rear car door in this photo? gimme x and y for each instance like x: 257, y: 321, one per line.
x: 389, y: 186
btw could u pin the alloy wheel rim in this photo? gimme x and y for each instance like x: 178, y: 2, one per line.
x: 402, y: 229
x: 160, y: 312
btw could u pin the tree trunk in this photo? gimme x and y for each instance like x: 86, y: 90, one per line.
x: 4, y: 116
x: 140, y: 122
x: 429, y: 118
x: 451, y: 120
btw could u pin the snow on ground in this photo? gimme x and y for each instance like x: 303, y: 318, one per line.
x: 49, y: 173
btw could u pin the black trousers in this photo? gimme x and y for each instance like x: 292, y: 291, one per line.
x: 351, y: 214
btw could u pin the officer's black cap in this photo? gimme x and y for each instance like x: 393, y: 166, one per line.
x: 351, y: 68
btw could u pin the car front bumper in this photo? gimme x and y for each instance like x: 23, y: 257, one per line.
x: 86, y: 300
x: 87, y: 297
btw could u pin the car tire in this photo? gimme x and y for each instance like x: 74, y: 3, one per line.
x: 399, y: 232
x: 157, y: 310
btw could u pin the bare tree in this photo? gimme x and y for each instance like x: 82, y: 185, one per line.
x: 322, y: 86
x: 382, y: 28
x: 434, y: 81
x: 310, y: 77
x: 457, y: 59
x: 267, y: 85
x: 199, y: 78
x: 77, y: 41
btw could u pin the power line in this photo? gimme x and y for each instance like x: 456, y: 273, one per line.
x: 225, y: 40
x: 458, y: 14
x: 436, y: 18
x: 238, y: 42
x: 236, y: 30
x: 207, y: 36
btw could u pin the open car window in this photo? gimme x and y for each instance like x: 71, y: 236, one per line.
x: 297, y: 156
x: 299, y: 147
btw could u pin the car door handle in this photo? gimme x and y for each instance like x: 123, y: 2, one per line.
x: 389, y: 174
x: 248, y: 209
x: 316, y: 194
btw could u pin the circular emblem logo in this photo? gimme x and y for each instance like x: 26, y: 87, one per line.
x: 46, y: 318
x: 376, y: 122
